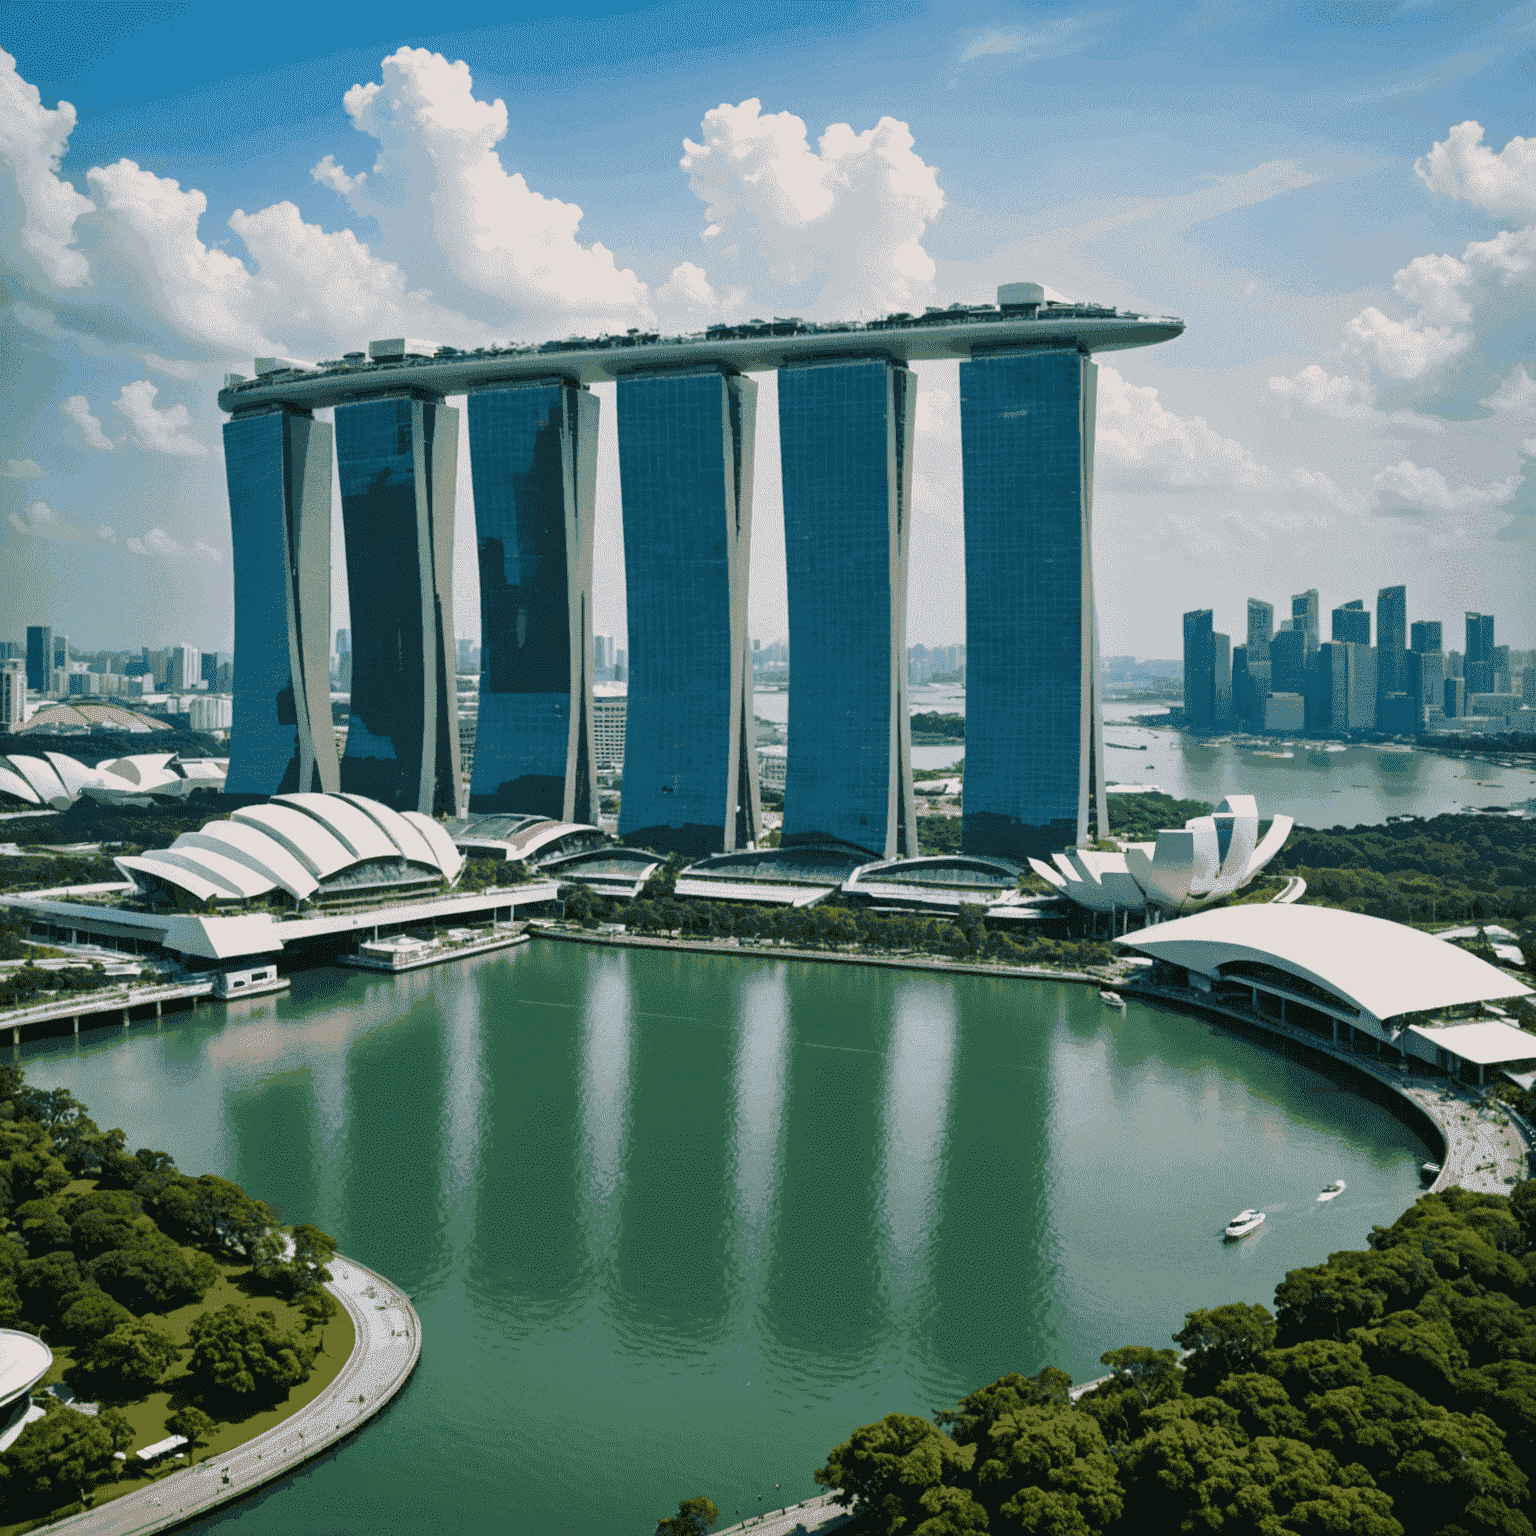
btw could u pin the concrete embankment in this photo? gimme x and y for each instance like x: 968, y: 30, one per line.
x: 386, y: 1348
x: 101, y: 1007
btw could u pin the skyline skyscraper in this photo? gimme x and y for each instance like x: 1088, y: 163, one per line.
x: 1034, y: 745
x: 1199, y: 667
x: 533, y: 454
x: 1478, y: 667
x: 1351, y: 623
x: 845, y: 447
x: 1425, y: 635
x: 397, y: 458
x: 686, y: 452
x: 1304, y: 616
x: 39, y: 657
x: 1261, y: 629
x: 1391, y: 646
x: 277, y: 464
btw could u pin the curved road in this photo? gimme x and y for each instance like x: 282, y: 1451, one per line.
x: 387, y: 1347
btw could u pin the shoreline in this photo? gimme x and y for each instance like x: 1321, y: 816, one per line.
x: 385, y: 1352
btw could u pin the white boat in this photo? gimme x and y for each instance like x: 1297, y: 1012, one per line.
x: 1113, y: 999
x: 1429, y: 1172
x: 1244, y: 1223
x: 1334, y: 1190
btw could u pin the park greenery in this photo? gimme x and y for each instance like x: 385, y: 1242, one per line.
x: 941, y: 727
x: 832, y: 924
x: 143, y: 1281
x: 1392, y: 1392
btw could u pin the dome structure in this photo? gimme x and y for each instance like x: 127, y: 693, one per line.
x: 316, y: 848
x: 1208, y: 858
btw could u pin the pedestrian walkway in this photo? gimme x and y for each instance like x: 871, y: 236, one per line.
x: 818, y: 1514
x: 387, y: 1347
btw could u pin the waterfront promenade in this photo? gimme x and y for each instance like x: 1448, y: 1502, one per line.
x: 101, y: 1007
x: 386, y: 1348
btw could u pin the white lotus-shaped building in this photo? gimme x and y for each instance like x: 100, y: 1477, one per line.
x: 55, y: 780
x: 1207, y: 858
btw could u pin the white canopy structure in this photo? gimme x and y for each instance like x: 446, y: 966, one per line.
x: 1208, y: 858
x: 306, y: 845
x: 55, y: 780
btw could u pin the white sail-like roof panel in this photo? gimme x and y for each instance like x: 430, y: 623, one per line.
x: 361, y: 833
x: 48, y: 786
x: 12, y: 783
x: 74, y: 776
x: 449, y: 859
x: 236, y: 878
x: 397, y: 829
x: 177, y: 874
x: 257, y: 850
x: 318, y: 849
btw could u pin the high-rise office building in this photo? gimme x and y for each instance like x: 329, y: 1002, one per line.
x: 1425, y: 635
x: 278, y: 466
x: 1426, y: 683
x: 1331, y: 696
x: 845, y: 447
x: 397, y: 455
x: 686, y: 443
x: 13, y: 695
x: 1199, y: 668
x: 1455, y: 698
x: 1288, y: 661
x: 1501, y: 669
x: 1261, y: 629
x: 1304, y: 616
x: 39, y: 657
x: 1221, y: 653
x: 533, y: 449
x: 186, y: 668
x: 1362, y: 688
x: 1241, y: 699
x: 207, y: 671
x: 1391, y: 646
x: 1034, y: 770
x: 1352, y: 624
x: 1478, y: 668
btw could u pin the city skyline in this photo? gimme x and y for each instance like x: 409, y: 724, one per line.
x: 1321, y: 412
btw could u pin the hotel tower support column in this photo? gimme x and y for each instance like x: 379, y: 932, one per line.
x: 278, y: 462
x: 685, y: 465
x: 845, y: 444
x: 397, y: 456
x: 533, y: 453
x: 1034, y: 747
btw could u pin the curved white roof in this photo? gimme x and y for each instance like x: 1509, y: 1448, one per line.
x: 308, y: 840
x: 1382, y: 968
x: 41, y: 776
x: 294, y: 842
x: 257, y: 850
x: 72, y: 775
x: 449, y: 859
x: 12, y: 783
x: 396, y: 828
x: 361, y: 833
x: 24, y: 1361
x: 177, y: 874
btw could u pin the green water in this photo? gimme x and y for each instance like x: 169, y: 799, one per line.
x: 677, y: 1224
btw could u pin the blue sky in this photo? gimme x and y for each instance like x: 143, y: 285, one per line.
x: 1339, y: 200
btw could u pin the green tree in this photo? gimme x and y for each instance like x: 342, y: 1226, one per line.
x: 130, y: 1360
x: 41, y: 1226
x: 1140, y: 1378
x: 92, y: 1316
x: 1223, y: 1340
x: 240, y: 1355
x: 49, y: 1285
x: 195, y: 1425
x: 55, y: 1460
x: 693, y: 1518
x: 1048, y: 1469
x: 155, y: 1274
x: 888, y: 1469
x: 973, y: 1417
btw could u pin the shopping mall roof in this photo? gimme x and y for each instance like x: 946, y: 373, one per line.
x: 1381, y: 968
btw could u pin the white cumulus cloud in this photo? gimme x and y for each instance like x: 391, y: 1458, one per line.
x: 78, y: 409
x: 851, y: 212
x: 160, y: 431
x: 1464, y: 167
x: 106, y: 534
x: 40, y: 521
x: 1410, y: 487
x: 1332, y: 394
x: 22, y: 469
x: 452, y: 215
x: 34, y: 198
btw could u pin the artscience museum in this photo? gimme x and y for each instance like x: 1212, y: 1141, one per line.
x: 1209, y: 857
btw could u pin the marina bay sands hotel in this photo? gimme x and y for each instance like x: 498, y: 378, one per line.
x: 687, y: 444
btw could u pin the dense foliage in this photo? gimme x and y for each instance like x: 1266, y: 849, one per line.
x: 932, y: 723
x: 125, y: 826
x: 830, y: 924
x: 36, y: 872
x: 1139, y: 818
x: 1446, y: 868
x: 1392, y: 1393
x: 95, y: 1240
x: 29, y: 983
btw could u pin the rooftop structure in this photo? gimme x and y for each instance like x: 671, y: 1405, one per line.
x: 1360, y: 969
x: 606, y: 871
x: 56, y: 781
x: 24, y: 1361
x: 773, y: 877
x: 533, y: 839
x: 753, y: 347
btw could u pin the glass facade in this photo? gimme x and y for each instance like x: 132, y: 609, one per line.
x: 396, y: 455
x: 1034, y: 754
x: 685, y: 463
x: 278, y: 465
x: 533, y: 454
x: 845, y: 447
x: 1199, y: 668
x: 1391, y: 643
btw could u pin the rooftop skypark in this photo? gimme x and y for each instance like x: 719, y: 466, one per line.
x: 1022, y: 316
